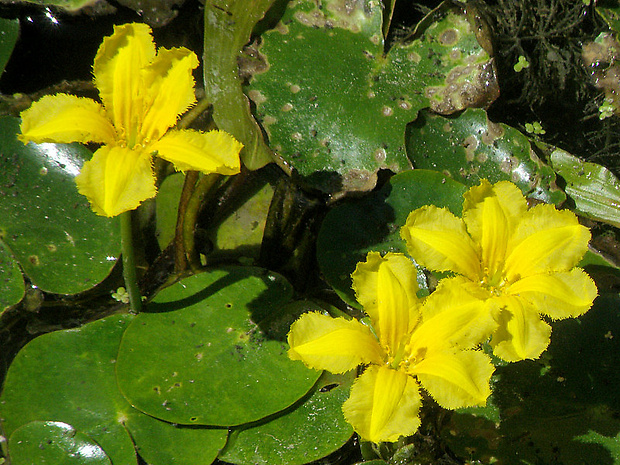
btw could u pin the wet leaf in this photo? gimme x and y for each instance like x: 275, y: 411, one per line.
x: 307, y: 431
x: 352, y: 229
x: 61, y: 245
x: 217, y: 363
x: 594, y: 189
x: 69, y: 376
x: 11, y: 280
x: 54, y: 443
x: 469, y: 147
x: 335, y: 107
x: 228, y: 25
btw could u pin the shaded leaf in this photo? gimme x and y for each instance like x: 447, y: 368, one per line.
x: 9, y: 31
x: 354, y: 228
x: 559, y: 409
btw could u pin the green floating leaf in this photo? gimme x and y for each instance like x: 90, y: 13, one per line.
x: 9, y: 31
x: 228, y: 26
x: 594, y: 189
x: 216, y: 363
x: 469, y: 148
x: 11, y: 280
x: 161, y: 443
x: 62, y: 246
x: 335, y: 106
x: 559, y: 409
x: 352, y: 229
x: 54, y: 443
x: 309, y: 431
x: 69, y: 376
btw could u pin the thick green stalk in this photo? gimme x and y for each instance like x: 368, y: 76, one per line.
x: 129, y: 264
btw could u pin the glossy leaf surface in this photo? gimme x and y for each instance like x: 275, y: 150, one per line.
x: 217, y: 363
x: 470, y: 147
x: 62, y: 246
x: 68, y: 376
x: 54, y: 443
x: 595, y: 189
x: 335, y: 107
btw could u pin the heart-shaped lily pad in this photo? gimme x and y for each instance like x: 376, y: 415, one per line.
x: 335, y: 106
x: 69, y: 376
x: 217, y: 362
x: 49, y: 227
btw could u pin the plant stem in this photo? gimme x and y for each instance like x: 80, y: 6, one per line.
x: 129, y: 264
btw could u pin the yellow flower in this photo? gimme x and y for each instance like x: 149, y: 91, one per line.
x: 522, y: 260
x: 143, y: 92
x: 408, y: 344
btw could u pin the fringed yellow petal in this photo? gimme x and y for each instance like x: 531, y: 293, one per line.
x: 439, y: 241
x: 546, y: 240
x: 118, y: 76
x: 455, y: 380
x: 491, y: 214
x: 456, y: 314
x: 64, y: 118
x: 116, y: 180
x: 210, y: 152
x: 383, y: 405
x: 386, y: 287
x: 169, y: 84
x: 521, y: 333
x: 558, y: 295
x: 334, y: 344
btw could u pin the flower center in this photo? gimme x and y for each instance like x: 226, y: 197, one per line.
x: 494, y: 282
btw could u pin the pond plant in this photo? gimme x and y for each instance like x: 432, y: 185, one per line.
x: 341, y: 244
